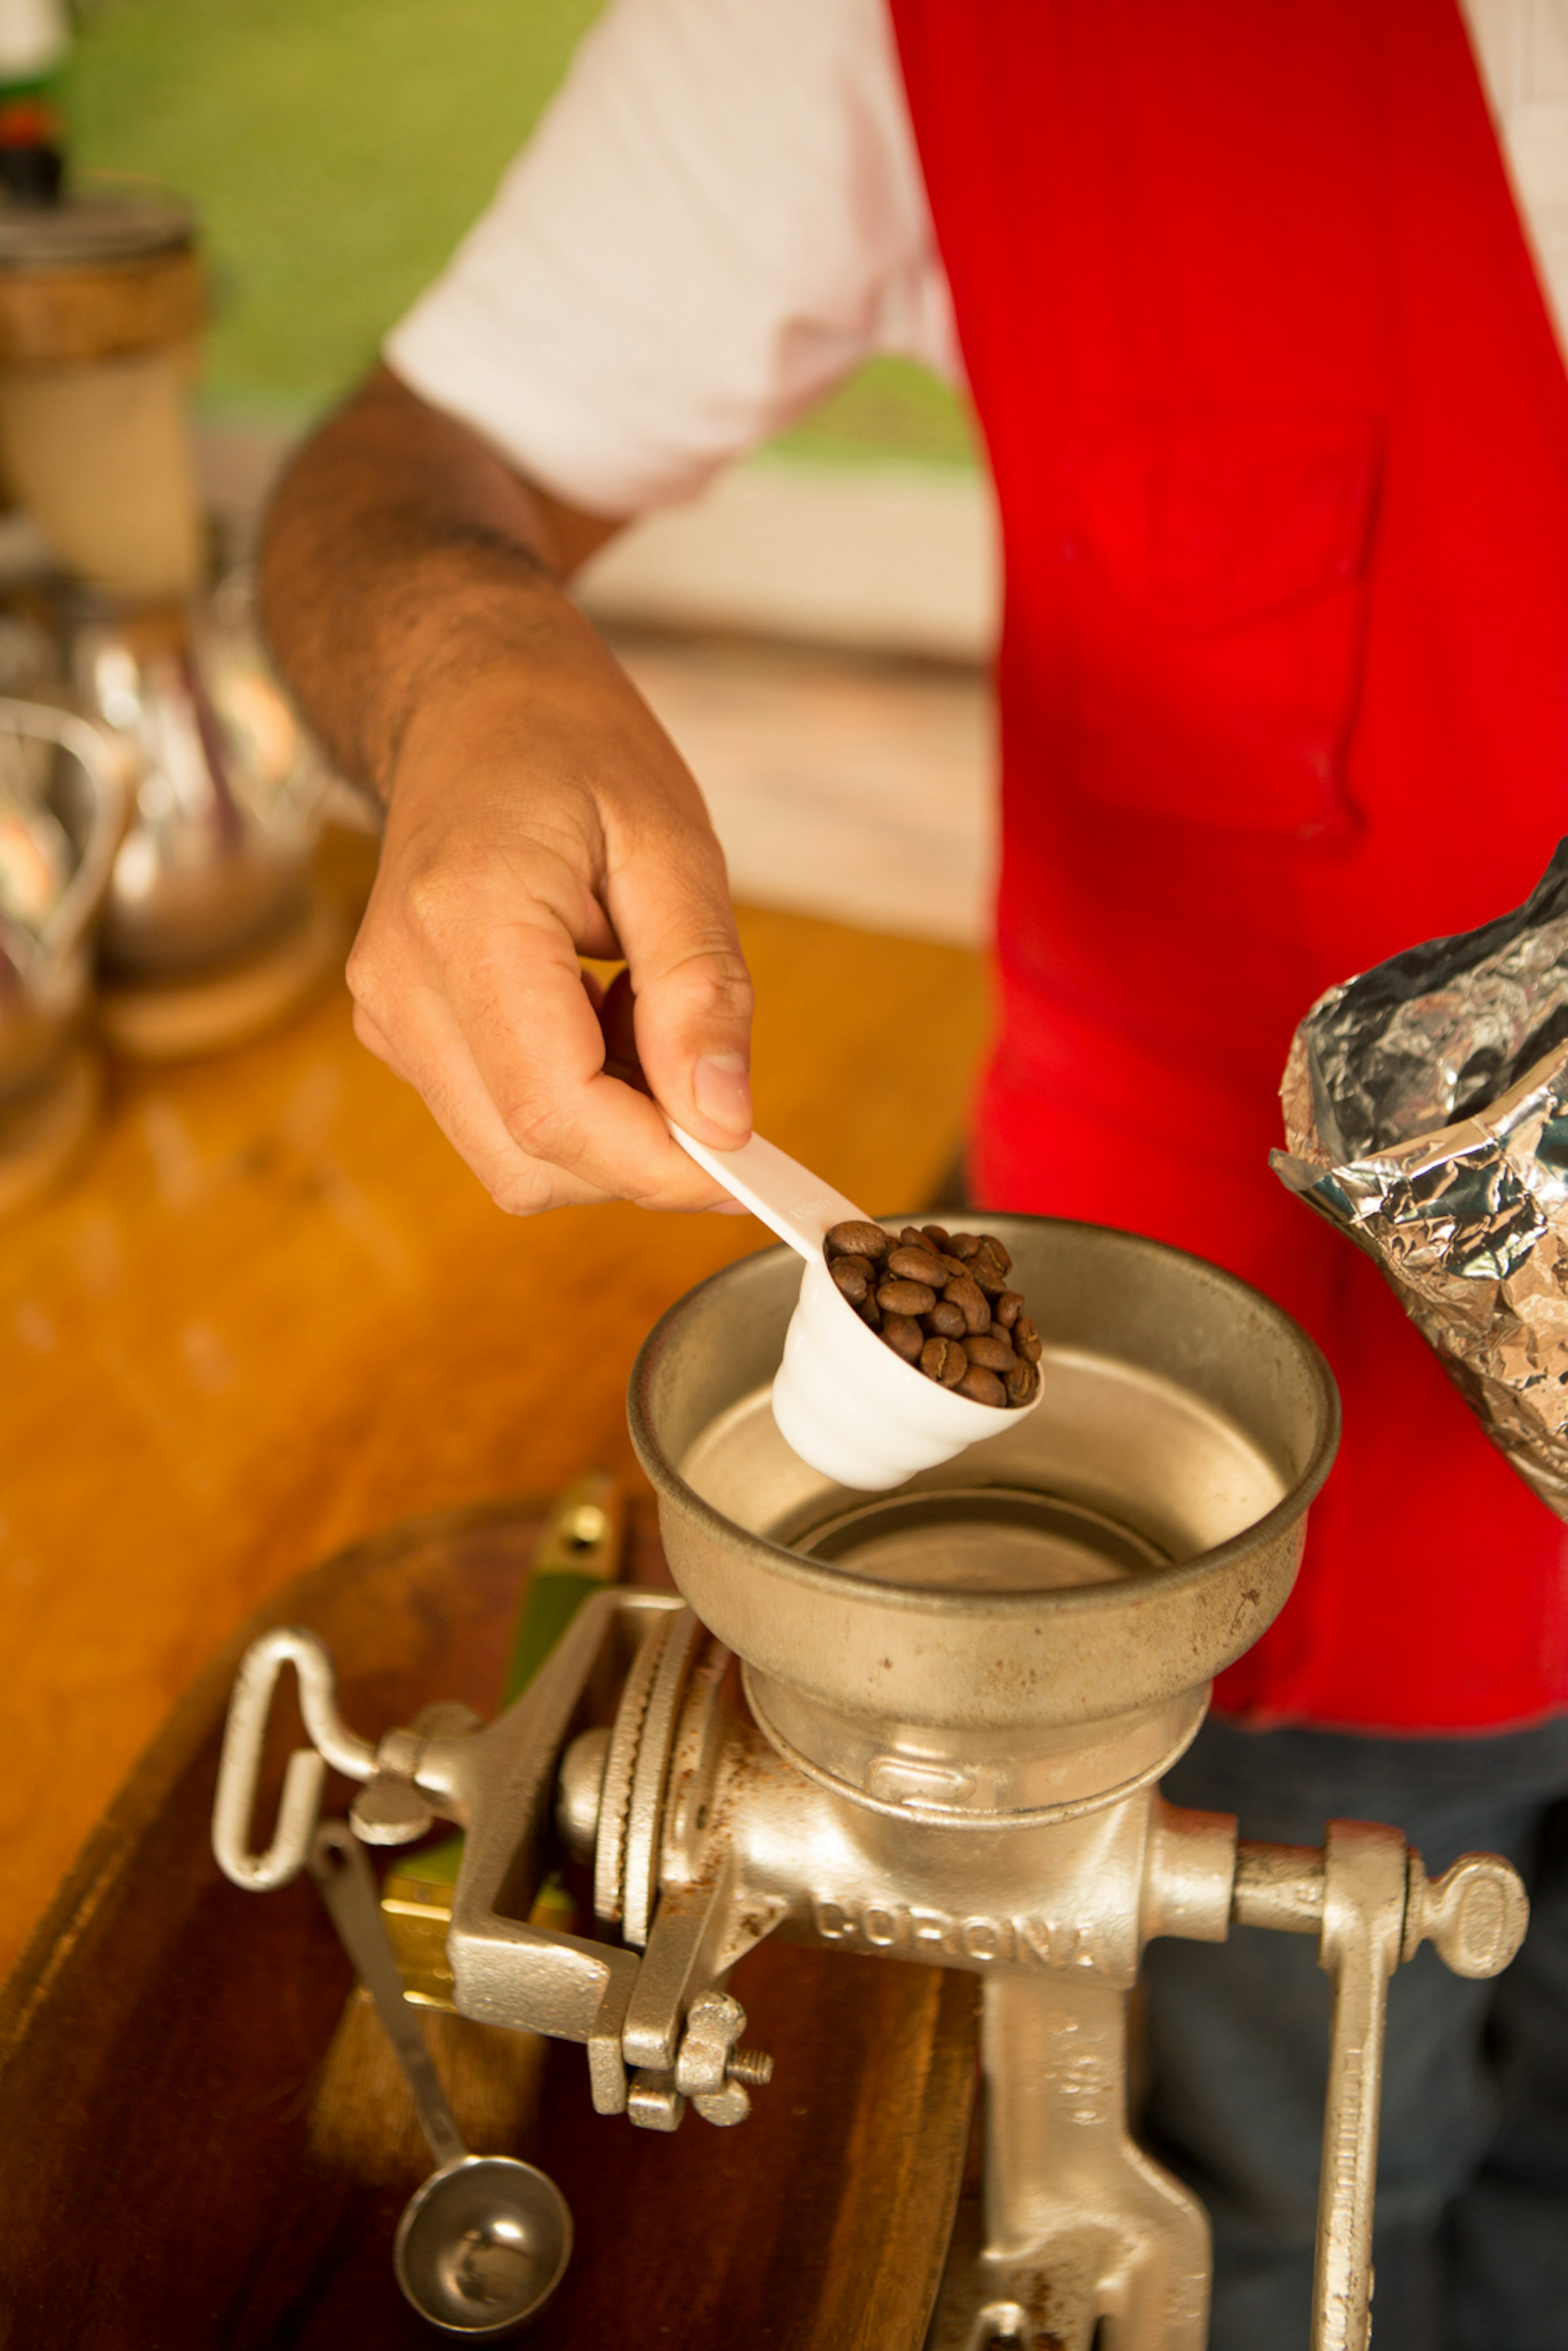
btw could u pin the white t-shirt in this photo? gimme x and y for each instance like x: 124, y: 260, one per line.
x: 722, y: 216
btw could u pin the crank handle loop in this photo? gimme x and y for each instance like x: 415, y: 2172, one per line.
x: 244, y: 1737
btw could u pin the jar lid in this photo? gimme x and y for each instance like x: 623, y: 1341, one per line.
x: 104, y: 219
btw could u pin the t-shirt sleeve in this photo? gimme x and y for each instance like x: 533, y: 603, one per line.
x: 720, y: 215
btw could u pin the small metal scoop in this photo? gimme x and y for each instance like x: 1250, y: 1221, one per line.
x: 847, y: 1404
x: 484, y: 2244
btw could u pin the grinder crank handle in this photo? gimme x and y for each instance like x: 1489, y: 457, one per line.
x: 1363, y: 1895
x: 1368, y: 1900
x: 1379, y: 1906
x: 346, y: 1884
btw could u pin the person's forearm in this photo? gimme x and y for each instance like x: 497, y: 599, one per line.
x: 401, y: 566
x: 537, y: 813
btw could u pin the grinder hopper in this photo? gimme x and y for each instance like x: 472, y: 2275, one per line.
x: 1061, y: 1594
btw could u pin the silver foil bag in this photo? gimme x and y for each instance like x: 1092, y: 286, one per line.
x: 1427, y: 1114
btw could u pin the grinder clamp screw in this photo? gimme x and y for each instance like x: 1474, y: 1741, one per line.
x: 710, y: 2069
x: 752, y: 2066
x: 390, y: 1809
x: 1476, y: 1913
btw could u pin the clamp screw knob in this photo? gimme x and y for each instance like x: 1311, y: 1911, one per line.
x: 1476, y: 1913
x: 390, y: 1809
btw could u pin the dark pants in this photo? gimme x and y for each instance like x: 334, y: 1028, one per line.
x: 1471, y: 2247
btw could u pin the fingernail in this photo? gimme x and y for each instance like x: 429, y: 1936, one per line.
x: 722, y: 1092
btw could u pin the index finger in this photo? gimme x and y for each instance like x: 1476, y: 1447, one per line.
x: 536, y: 1041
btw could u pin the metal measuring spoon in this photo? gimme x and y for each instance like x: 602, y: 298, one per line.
x: 484, y: 2244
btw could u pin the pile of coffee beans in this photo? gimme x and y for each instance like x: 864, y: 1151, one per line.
x: 941, y: 1300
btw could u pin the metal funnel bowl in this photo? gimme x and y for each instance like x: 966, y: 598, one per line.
x: 1036, y: 1623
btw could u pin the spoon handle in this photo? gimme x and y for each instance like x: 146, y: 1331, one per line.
x: 790, y: 1201
x: 346, y: 1885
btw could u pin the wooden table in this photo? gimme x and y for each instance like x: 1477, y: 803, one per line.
x: 276, y: 1314
x: 205, y: 2150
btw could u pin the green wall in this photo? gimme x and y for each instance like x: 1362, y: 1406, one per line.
x: 336, y: 150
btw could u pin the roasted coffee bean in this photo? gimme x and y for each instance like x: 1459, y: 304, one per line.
x: 905, y: 1297
x: 988, y: 1276
x: 853, y: 1276
x: 853, y: 1238
x: 944, y: 1360
x: 1026, y: 1340
x: 992, y: 1355
x: 940, y: 1301
x: 963, y: 1294
x: 904, y: 1334
x: 916, y: 1265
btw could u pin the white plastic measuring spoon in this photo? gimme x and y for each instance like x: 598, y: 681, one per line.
x: 846, y: 1403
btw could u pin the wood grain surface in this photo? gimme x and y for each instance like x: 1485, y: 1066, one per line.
x: 277, y: 1313
x: 164, y: 2051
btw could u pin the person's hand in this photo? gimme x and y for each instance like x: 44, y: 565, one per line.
x: 411, y: 592
x: 538, y: 813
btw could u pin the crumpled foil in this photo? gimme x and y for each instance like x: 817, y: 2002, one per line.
x: 1426, y: 1113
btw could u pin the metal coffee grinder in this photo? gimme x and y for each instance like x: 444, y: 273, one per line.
x: 927, y: 1727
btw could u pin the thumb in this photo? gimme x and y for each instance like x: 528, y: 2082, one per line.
x: 692, y: 990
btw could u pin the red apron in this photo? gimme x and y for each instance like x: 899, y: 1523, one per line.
x: 1280, y: 433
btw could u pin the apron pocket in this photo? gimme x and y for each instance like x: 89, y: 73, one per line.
x: 1215, y: 570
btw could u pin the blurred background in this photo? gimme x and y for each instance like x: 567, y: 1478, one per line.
x: 252, y: 1307
x: 336, y: 150
x: 336, y: 153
